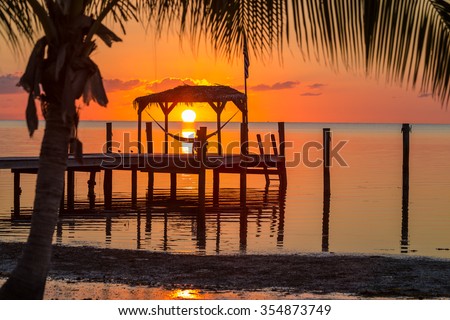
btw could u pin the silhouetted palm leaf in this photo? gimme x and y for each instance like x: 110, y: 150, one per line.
x: 405, y: 42
x: 16, y: 23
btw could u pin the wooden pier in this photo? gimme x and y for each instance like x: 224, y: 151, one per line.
x: 151, y: 163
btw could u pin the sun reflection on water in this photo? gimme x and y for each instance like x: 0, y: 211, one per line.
x: 187, y: 147
x: 185, y: 294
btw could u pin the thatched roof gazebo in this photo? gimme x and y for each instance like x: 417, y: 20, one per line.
x: 216, y: 96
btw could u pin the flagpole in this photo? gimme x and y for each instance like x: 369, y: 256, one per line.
x: 246, y: 67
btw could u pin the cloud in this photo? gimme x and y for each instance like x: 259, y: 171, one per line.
x: 316, y: 85
x: 311, y: 94
x: 170, y: 83
x: 261, y: 87
x: 285, y: 85
x: 276, y: 86
x: 112, y: 85
x: 8, y: 84
x: 424, y: 95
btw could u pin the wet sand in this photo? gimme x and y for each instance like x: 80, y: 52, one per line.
x: 93, y: 273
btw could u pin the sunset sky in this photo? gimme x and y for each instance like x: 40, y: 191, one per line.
x: 293, y: 90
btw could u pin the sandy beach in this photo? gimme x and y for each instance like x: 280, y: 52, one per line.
x: 92, y: 273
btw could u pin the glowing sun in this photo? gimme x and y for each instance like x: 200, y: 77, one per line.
x: 188, y: 115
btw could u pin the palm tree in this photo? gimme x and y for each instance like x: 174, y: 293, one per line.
x: 407, y: 41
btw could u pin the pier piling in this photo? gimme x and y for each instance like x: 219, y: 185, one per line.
x: 201, y: 134
x: 406, y: 130
x: 91, y: 190
x: 151, y: 174
x: 134, y: 188
x: 243, y: 168
x: 173, y: 185
x: 107, y: 181
x: 326, y: 162
x: 70, y: 190
x: 282, y: 164
x: 17, y: 193
x: 216, y: 187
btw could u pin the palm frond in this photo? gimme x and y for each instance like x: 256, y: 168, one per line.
x: 224, y: 23
x: 404, y: 42
x: 17, y: 24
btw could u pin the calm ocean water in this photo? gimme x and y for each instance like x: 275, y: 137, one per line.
x: 365, y: 213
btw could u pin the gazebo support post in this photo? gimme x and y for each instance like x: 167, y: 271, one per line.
x: 243, y: 169
x: 201, y: 134
x: 139, y: 133
x: 166, y: 135
x: 134, y: 171
x: 151, y: 175
x: 219, y: 134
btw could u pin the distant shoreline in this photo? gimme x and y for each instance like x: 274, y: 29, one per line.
x: 253, y: 122
x: 367, y: 276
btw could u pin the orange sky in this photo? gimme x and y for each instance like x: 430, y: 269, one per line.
x: 292, y: 91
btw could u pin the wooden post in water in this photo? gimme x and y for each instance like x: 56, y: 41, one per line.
x: 243, y: 168
x: 133, y: 188
x: 326, y: 223
x: 17, y: 193
x: 139, y: 133
x: 63, y: 201
x: 108, y: 229
x: 261, y: 152
x: 201, y: 135
x: 109, y: 137
x: 70, y: 190
x: 219, y: 132
x: 133, y: 170
x: 173, y: 185
x: 151, y: 175
x: 216, y: 187
x: 406, y: 130
x: 138, y: 230
x: 326, y: 189
x: 107, y: 181
x: 243, y: 229
x: 282, y: 174
x: 281, y: 219
x: 326, y: 162
x: 91, y: 190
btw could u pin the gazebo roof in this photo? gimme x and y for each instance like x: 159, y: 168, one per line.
x: 191, y: 94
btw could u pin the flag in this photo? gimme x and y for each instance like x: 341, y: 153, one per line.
x: 246, y: 60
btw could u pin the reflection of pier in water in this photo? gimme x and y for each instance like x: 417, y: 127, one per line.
x: 156, y: 224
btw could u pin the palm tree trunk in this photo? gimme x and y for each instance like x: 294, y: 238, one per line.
x: 27, y: 281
